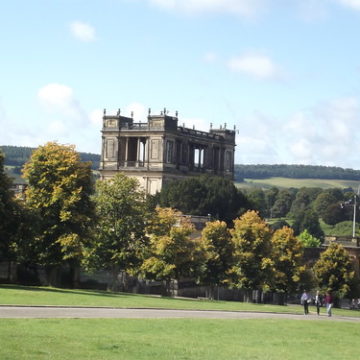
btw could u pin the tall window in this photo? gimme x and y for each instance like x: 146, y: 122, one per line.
x: 169, y: 151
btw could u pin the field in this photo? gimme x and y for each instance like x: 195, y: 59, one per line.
x: 166, y: 339
x: 159, y: 339
x: 281, y: 182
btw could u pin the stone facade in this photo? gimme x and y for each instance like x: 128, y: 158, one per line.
x: 160, y: 150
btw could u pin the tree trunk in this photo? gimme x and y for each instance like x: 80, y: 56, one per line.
x: 52, y: 275
x: 211, y: 292
x: 12, y: 272
x: 165, y: 289
x: 75, y: 274
x: 114, y: 286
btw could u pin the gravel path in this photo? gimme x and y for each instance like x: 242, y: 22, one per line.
x: 26, y: 312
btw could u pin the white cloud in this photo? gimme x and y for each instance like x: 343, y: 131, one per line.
x: 60, y: 99
x: 96, y: 117
x: 258, y: 66
x: 82, y: 31
x: 138, y: 110
x: 246, y: 8
x: 353, y: 4
x: 326, y: 134
x: 57, y: 127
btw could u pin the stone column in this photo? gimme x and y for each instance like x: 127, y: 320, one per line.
x: 137, y: 152
x: 126, y: 151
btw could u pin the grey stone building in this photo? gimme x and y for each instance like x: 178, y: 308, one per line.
x: 159, y: 150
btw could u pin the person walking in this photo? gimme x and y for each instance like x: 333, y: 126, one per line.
x: 329, y: 303
x: 305, y: 299
x: 318, y: 302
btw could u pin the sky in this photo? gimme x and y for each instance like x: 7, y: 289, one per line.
x: 285, y: 73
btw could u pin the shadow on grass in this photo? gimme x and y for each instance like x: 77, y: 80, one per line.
x: 101, y: 293
x: 65, y: 291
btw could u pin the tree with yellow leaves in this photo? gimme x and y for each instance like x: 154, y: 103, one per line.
x: 59, y: 190
x: 253, y: 266
x: 173, y: 253
x: 219, y: 248
x: 287, y: 255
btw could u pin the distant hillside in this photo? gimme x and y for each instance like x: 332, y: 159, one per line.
x: 294, y: 172
x: 18, y: 155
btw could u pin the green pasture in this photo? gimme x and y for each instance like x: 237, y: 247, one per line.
x: 167, y: 339
x: 32, y: 295
x: 281, y: 182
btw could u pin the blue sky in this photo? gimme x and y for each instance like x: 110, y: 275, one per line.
x: 286, y: 73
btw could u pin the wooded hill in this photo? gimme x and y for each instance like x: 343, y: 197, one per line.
x: 294, y: 171
x: 19, y: 155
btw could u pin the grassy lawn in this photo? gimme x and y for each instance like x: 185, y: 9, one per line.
x: 177, y: 339
x: 281, y: 182
x: 32, y: 295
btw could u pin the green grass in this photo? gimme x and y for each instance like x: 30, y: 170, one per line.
x: 177, y: 339
x: 281, y: 182
x: 32, y: 295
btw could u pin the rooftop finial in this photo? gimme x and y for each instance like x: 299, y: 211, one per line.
x: 164, y: 110
x: 211, y: 125
x: 104, y: 112
x: 225, y: 126
x: 118, y: 112
x: 176, y: 113
x: 193, y: 127
x: 132, y: 114
x: 149, y: 111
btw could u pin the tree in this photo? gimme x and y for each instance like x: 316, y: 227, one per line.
x: 308, y: 240
x: 270, y: 198
x: 204, y: 195
x: 303, y: 200
x: 334, y: 214
x: 287, y: 255
x: 120, y: 239
x: 6, y: 212
x: 253, y: 266
x: 257, y: 201
x: 282, y: 203
x: 219, y: 249
x: 59, y: 190
x: 308, y: 220
x: 334, y: 270
x: 323, y: 201
x: 172, y: 253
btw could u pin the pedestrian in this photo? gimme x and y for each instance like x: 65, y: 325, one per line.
x: 305, y: 299
x: 318, y: 302
x: 329, y: 303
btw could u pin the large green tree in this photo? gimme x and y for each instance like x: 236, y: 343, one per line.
x: 283, y: 202
x: 334, y: 270
x: 204, y: 195
x: 308, y: 220
x: 120, y: 238
x: 252, y: 267
x: 59, y: 190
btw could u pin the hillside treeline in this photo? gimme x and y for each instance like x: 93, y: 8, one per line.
x: 19, y: 155
x: 294, y: 171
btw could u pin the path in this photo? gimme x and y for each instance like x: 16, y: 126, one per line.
x: 95, y: 312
